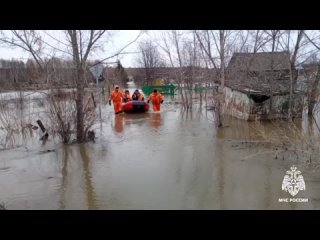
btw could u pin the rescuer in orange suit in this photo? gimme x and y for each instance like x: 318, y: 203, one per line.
x: 126, y: 97
x: 156, y: 99
x: 116, y: 96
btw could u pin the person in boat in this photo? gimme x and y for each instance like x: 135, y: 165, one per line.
x: 116, y: 96
x: 156, y: 99
x: 137, y: 96
x: 126, y: 97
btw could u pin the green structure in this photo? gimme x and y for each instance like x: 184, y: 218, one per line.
x: 164, y: 89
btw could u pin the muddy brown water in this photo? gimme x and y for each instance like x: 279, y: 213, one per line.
x: 169, y: 160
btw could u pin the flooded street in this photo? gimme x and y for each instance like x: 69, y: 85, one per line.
x: 169, y: 160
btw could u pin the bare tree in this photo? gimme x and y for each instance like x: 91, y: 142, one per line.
x: 259, y: 40
x: 221, y: 50
x: 274, y: 36
x: 220, y: 43
x: 122, y: 76
x: 28, y: 40
x: 171, y: 41
x: 77, y: 43
x: 82, y: 42
x: 205, y: 42
x: 315, y: 84
x: 192, y: 74
x: 183, y: 53
x: 293, y: 48
x: 149, y: 59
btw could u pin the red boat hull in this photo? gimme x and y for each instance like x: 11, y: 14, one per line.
x: 135, y: 107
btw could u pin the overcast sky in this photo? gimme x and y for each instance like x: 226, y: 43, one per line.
x: 120, y: 39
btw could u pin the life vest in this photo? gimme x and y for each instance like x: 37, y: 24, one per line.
x: 156, y: 98
x: 140, y: 97
x: 137, y: 97
x: 116, y: 96
x: 126, y: 97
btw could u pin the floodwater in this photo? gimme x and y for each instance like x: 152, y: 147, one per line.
x: 174, y: 159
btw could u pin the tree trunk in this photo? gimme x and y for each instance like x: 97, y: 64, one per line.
x: 271, y: 79
x: 293, y: 73
x: 290, y: 92
x: 314, y: 92
x: 79, y: 105
x: 80, y: 77
x: 220, y: 95
x: 222, y: 42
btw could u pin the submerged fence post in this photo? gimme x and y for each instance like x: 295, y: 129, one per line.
x: 43, y: 129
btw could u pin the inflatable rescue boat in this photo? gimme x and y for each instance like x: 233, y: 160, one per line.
x: 135, y: 107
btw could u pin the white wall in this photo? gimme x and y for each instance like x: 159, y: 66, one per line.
x: 236, y: 104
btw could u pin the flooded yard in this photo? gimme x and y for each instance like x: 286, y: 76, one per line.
x: 175, y: 159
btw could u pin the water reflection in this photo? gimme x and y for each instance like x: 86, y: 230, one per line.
x: 76, y: 178
x: 186, y: 114
x: 118, y: 123
x: 139, y: 119
x: 220, y: 158
x: 64, y: 171
x: 90, y: 193
x: 156, y: 120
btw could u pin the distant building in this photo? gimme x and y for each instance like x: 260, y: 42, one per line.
x: 158, y: 82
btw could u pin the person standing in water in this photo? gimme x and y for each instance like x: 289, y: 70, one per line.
x: 156, y: 99
x: 116, y: 96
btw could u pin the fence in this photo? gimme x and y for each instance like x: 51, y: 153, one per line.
x: 164, y: 89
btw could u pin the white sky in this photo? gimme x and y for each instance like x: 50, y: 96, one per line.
x: 120, y: 39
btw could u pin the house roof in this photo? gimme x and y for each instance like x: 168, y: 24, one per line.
x: 243, y: 68
x: 258, y: 87
x: 259, y: 61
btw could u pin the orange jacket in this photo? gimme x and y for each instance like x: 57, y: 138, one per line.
x: 116, y: 96
x: 156, y: 98
x: 138, y: 96
x: 141, y: 97
x: 127, y: 96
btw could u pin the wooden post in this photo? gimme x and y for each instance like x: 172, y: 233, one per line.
x: 94, y: 102
x: 43, y: 129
